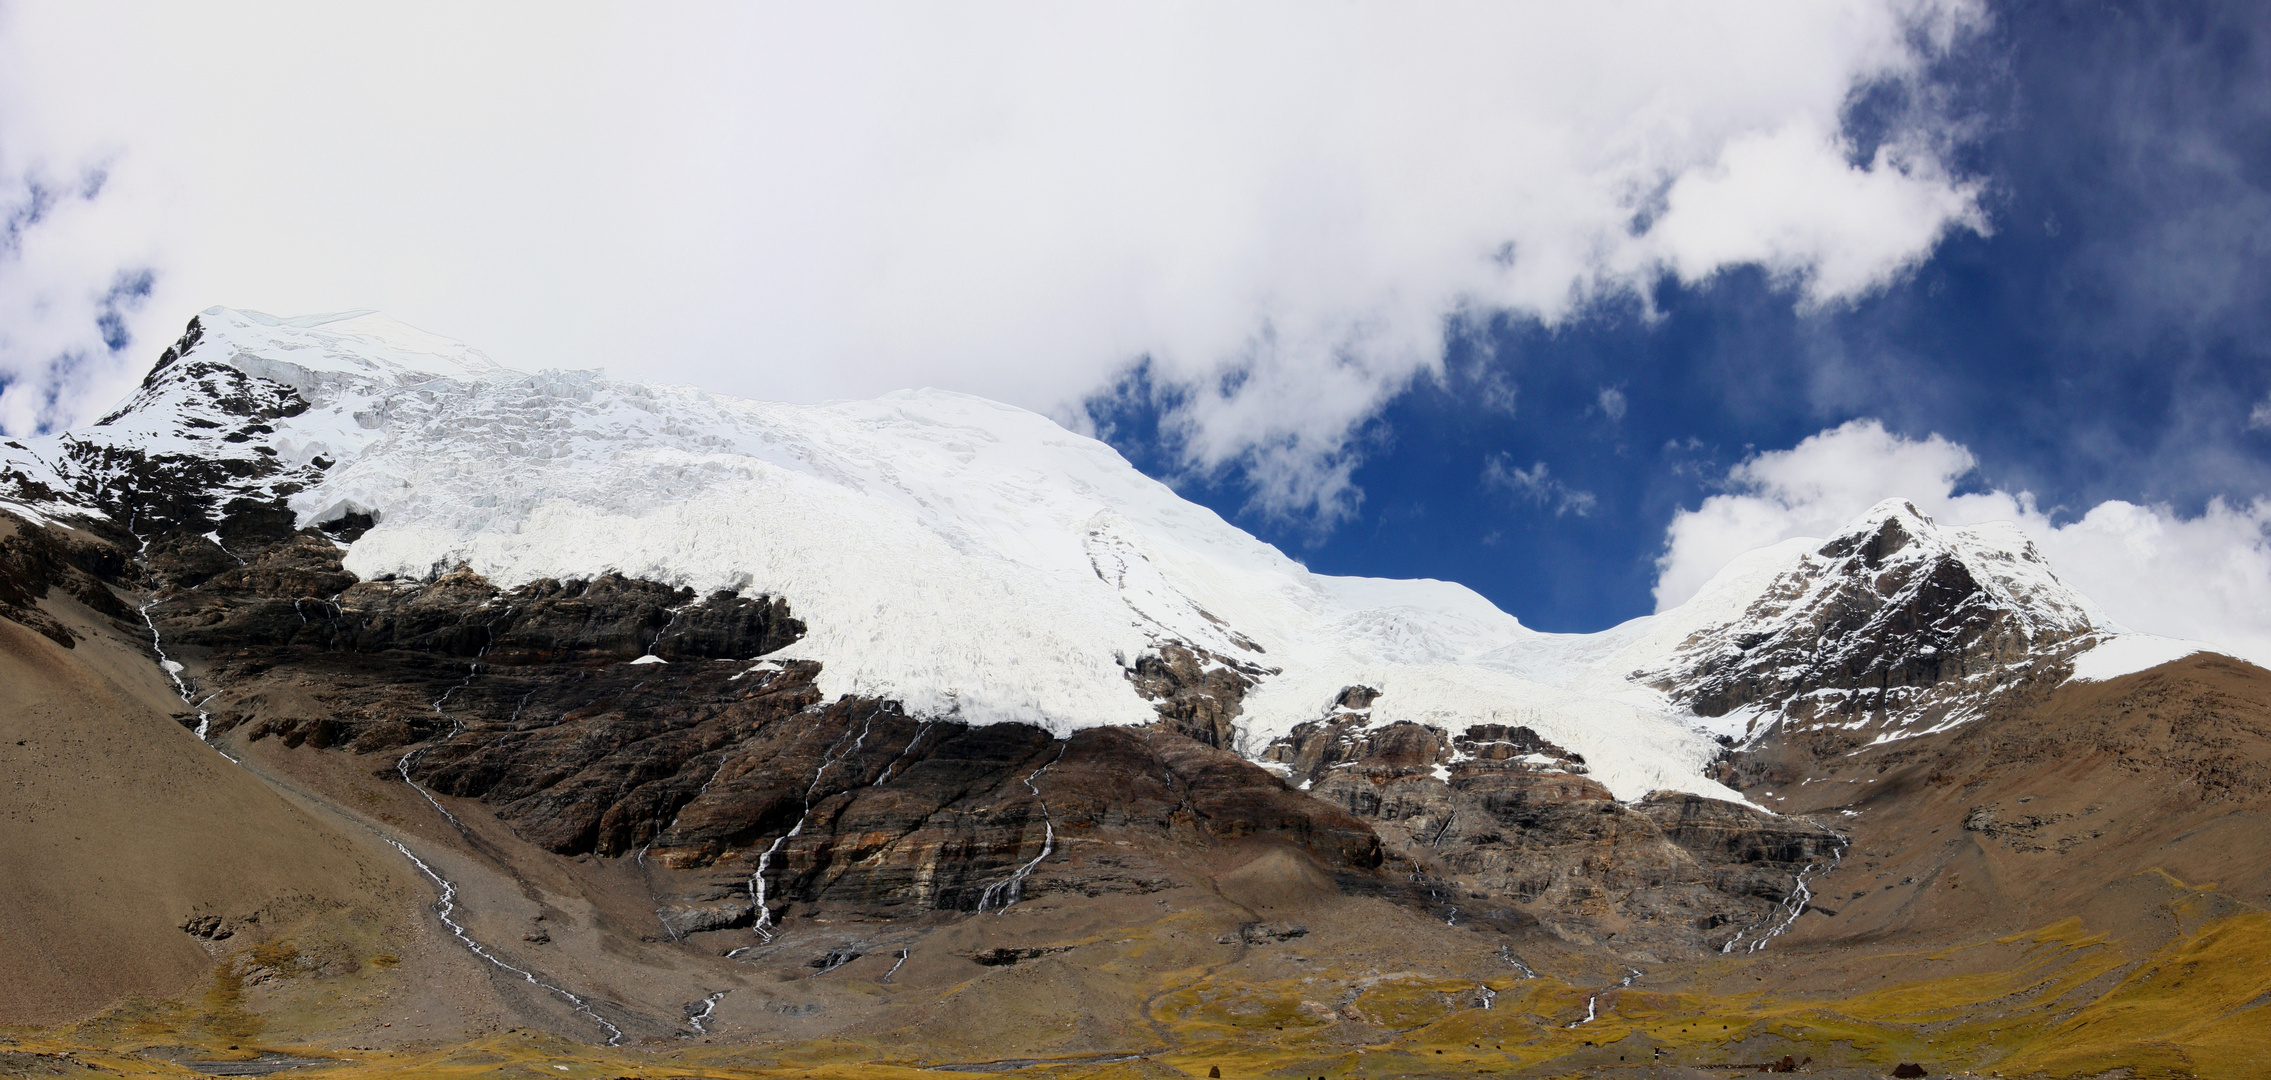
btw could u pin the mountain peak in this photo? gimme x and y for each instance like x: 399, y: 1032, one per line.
x: 308, y: 352
x: 972, y: 560
x: 1895, y: 625
x: 1999, y: 555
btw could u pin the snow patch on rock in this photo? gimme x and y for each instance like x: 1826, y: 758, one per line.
x: 2131, y: 653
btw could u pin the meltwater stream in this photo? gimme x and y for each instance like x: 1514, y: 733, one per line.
x: 1012, y: 889
x: 1507, y: 955
x: 1785, y: 914
x: 403, y: 765
x: 1592, y: 1002
x: 723, y: 760
x: 446, y: 907
x: 173, y: 668
x: 699, y: 1019
x: 838, y: 752
x: 903, y: 752
x: 696, y: 1018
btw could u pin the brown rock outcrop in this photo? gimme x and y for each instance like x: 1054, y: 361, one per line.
x: 521, y: 699
x: 1498, y: 824
x: 1200, y: 694
x: 35, y: 561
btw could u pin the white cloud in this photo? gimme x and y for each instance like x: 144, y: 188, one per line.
x: 69, y: 285
x: 2206, y: 577
x: 1282, y: 206
x: 1537, y: 484
x: 1612, y: 403
x: 1775, y: 199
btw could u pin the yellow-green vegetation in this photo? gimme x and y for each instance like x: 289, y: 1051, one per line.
x: 224, y: 1016
x: 2197, y: 1007
x: 305, y: 984
x: 276, y: 956
x: 2053, y: 1002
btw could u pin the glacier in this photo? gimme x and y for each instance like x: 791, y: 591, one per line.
x: 972, y: 560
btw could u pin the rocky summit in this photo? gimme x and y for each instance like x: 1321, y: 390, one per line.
x: 369, y: 702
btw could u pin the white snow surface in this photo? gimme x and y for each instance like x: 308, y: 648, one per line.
x: 2130, y: 653
x: 969, y: 559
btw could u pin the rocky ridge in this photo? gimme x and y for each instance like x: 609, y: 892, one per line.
x: 214, y: 476
x: 1496, y: 821
x: 1896, y: 626
x: 705, y: 758
x: 697, y: 756
x: 886, y: 525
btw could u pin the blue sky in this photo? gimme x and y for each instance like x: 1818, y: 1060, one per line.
x: 2108, y: 340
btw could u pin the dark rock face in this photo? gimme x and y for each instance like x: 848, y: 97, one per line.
x: 1313, y: 750
x: 35, y: 561
x: 706, y: 762
x: 909, y: 817
x: 1261, y: 933
x: 1003, y: 957
x: 295, y: 594
x: 523, y: 699
x: 1199, y: 693
x: 1885, y: 626
x: 1489, y: 832
x: 1499, y: 742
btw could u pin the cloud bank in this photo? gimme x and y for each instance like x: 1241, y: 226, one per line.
x: 2206, y: 578
x: 1278, y: 208
x: 70, y: 285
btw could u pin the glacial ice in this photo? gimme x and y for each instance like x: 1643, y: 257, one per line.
x: 971, y: 560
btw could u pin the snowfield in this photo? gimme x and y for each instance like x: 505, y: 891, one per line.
x: 2132, y: 653
x: 969, y: 559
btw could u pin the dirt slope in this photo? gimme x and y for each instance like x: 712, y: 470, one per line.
x: 2032, y: 814
x: 117, y: 828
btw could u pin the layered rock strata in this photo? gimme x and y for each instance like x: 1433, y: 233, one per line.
x: 705, y: 758
x: 696, y: 755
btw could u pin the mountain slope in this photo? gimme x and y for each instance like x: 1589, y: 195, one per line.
x: 682, y: 702
x: 135, y: 855
x: 960, y: 557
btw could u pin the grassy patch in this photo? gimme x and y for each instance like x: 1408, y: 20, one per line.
x: 2053, y: 1002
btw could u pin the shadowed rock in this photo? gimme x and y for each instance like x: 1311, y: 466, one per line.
x: 702, y: 762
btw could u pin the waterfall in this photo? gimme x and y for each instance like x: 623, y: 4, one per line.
x: 1012, y: 889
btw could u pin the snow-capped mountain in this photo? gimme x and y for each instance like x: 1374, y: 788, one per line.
x: 1898, y: 625
x: 689, y: 715
x: 978, y: 562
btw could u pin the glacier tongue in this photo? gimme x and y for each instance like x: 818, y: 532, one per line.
x: 967, y: 558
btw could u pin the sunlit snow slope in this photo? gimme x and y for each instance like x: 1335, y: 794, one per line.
x: 964, y: 557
